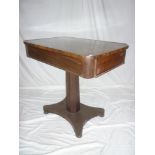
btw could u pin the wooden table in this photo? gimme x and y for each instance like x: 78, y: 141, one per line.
x: 78, y: 57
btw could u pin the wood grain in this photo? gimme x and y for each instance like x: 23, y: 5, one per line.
x: 78, y: 57
x: 95, y: 60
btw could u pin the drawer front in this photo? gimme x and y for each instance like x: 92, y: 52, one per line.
x: 56, y: 59
x: 109, y: 61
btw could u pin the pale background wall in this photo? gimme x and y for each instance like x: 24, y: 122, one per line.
x: 40, y: 84
x: 109, y: 20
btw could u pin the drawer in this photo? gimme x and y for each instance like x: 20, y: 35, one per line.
x: 109, y: 61
x: 55, y: 58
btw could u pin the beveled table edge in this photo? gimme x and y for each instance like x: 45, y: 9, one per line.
x: 69, y: 53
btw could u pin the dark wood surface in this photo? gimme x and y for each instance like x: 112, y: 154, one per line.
x: 78, y: 57
x: 84, y: 57
x: 72, y: 92
x: 76, y: 113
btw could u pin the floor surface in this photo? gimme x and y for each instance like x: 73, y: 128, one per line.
x: 50, y: 134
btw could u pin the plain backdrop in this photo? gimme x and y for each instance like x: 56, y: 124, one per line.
x: 95, y: 19
x: 41, y: 84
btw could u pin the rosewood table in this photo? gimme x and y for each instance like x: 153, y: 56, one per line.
x: 78, y: 57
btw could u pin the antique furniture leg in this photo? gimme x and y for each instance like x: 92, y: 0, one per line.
x: 71, y: 109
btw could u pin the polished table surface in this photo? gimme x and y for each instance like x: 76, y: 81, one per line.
x: 84, y: 47
x: 84, y: 57
x: 78, y: 57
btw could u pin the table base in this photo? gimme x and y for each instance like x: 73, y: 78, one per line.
x: 71, y: 109
x: 77, y: 119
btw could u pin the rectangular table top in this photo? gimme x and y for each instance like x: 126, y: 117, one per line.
x: 84, y: 57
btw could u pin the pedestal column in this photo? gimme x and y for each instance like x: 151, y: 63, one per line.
x: 72, y: 92
x: 76, y: 113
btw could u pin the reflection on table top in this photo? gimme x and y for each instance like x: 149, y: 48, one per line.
x: 78, y: 46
